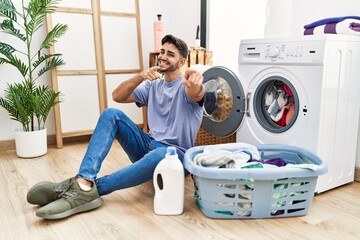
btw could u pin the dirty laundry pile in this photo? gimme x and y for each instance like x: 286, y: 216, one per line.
x: 244, y: 156
x: 279, y: 103
x: 241, y: 155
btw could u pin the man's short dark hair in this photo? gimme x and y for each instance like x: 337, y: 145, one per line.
x: 179, y: 44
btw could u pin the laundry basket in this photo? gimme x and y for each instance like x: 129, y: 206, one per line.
x: 256, y: 192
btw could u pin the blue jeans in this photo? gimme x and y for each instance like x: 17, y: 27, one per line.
x: 144, y: 152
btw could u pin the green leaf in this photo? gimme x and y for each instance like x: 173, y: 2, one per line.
x: 17, y: 102
x: 43, y: 58
x: 17, y: 63
x: 44, y: 98
x: 8, y: 10
x: 42, y: 7
x: 11, y: 59
x: 37, y: 10
x: 8, y: 27
x: 34, y: 24
x: 54, y: 62
x: 58, y: 31
x: 7, y: 50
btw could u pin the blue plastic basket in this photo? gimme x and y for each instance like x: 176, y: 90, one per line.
x: 256, y: 192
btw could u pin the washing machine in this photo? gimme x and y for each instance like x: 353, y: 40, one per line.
x: 300, y: 91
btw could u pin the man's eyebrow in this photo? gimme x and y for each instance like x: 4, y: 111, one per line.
x: 171, y: 52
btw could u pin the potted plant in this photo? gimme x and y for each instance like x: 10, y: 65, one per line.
x: 26, y: 101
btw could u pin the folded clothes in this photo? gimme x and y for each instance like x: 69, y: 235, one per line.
x: 346, y: 27
x: 355, y: 26
x: 329, y: 20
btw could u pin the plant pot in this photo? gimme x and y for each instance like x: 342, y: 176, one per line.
x: 30, y: 144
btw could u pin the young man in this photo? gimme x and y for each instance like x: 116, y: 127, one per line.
x: 174, y: 101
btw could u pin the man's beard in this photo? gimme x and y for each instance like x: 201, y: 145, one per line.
x: 164, y: 67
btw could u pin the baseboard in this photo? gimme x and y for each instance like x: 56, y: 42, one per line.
x: 81, y: 138
x: 10, y: 144
x: 357, y: 174
x: 7, y: 145
x: 51, y: 139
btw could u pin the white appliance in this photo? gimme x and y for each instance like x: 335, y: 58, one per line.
x: 320, y: 77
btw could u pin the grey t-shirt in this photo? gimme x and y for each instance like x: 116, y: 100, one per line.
x: 173, y: 118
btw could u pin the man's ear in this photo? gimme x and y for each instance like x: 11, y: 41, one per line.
x: 182, y: 62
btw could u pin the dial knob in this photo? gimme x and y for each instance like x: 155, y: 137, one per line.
x: 273, y: 52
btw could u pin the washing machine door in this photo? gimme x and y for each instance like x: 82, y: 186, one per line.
x: 225, y: 104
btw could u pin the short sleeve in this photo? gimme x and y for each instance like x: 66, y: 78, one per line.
x: 141, y: 93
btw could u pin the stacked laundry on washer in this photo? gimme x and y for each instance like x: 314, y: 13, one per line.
x: 347, y: 25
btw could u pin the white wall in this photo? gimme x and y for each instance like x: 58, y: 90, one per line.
x: 229, y: 22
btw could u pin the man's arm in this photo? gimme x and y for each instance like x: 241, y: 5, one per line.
x: 193, y: 83
x: 122, y: 94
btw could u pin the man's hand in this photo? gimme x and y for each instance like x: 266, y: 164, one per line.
x: 151, y: 73
x: 122, y: 94
x: 193, y: 83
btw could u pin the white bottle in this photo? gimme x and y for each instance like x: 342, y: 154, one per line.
x: 169, y: 183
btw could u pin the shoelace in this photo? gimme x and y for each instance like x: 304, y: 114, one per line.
x: 61, y: 190
x: 69, y: 193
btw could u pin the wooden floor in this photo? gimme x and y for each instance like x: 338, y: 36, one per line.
x: 128, y: 214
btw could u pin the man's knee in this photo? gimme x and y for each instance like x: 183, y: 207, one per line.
x: 112, y: 112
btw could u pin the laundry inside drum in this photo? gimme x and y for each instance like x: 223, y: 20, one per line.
x: 279, y: 103
x: 219, y: 99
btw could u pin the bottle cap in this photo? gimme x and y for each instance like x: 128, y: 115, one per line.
x: 171, y: 151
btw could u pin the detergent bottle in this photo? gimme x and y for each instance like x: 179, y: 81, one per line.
x: 159, y: 32
x: 169, y: 183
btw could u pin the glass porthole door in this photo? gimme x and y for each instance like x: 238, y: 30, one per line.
x: 225, y: 102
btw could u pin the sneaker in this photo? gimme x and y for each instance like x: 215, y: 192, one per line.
x: 73, y: 201
x: 45, y: 192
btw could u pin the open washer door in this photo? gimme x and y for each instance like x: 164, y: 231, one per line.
x: 225, y: 104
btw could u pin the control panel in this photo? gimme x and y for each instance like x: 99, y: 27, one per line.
x: 283, y: 52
